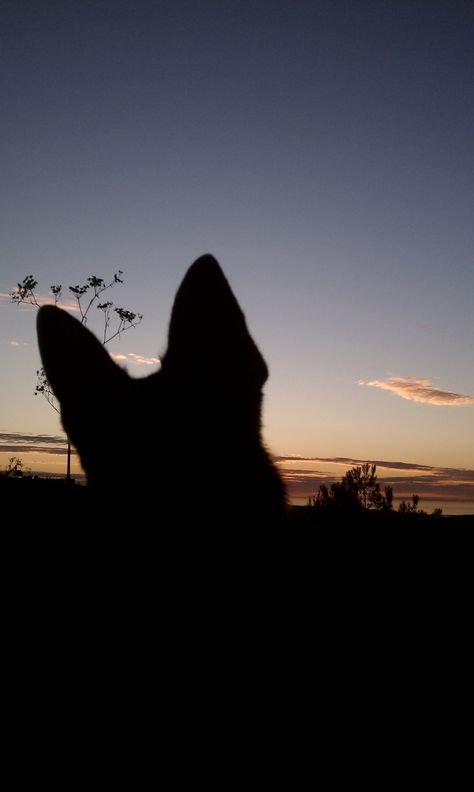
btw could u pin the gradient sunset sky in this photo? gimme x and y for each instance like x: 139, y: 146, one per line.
x: 322, y: 151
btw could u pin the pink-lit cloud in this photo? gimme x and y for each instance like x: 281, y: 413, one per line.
x: 136, y: 360
x: 347, y: 462
x: 67, y: 305
x: 18, y: 443
x: 421, y: 390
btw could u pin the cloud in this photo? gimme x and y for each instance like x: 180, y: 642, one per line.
x: 67, y: 305
x: 136, y: 360
x: 18, y: 343
x: 32, y: 449
x: 420, y: 390
x: 30, y: 438
x: 17, y: 443
x: 351, y: 462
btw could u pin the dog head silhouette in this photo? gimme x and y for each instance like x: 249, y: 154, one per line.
x: 177, y: 580
x: 187, y: 436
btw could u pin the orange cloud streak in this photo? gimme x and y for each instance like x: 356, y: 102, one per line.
x: 420, y: 390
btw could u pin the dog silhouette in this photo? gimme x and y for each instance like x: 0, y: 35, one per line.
x: 189, y: 434
x: 174, y: 598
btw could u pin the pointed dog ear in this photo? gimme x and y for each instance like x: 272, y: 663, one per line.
x: 73, y: 358
x: 79, y: 369
x: 208, y: 333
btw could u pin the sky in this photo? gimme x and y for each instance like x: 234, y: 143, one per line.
x: 322, y: 151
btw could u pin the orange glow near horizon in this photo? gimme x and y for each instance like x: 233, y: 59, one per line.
x: 446, y: 487
x: 39, y: 462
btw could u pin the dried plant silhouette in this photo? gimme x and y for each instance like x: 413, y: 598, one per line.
x: 90, y: 292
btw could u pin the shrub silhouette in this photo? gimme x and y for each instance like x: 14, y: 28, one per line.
x: 358, y: 490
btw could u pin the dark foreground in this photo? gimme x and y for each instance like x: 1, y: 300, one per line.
x: 128, y: 655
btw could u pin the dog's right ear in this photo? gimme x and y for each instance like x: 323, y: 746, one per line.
x: 75, y: 362
x: 208, y: 334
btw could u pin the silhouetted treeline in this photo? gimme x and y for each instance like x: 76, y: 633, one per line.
x: 54, y: 505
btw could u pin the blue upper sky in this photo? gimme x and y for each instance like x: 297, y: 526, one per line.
x: 322, y: 151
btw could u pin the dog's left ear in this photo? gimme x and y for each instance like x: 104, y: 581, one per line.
x: 208, y: 333
x: 75, y: 362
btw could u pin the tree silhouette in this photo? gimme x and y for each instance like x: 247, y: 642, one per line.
x: 358, y: 489
x: 90, y: 291
x: 412, y: 508
x: 15, y: 468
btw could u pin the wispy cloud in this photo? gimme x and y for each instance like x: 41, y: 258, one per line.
x: 30, y: 438
x: 347, y: 462
x: 420, y: 390
x: 18, y: 443
x: 18, y: 343
x: 136, y: 360
x: 67, y: 305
